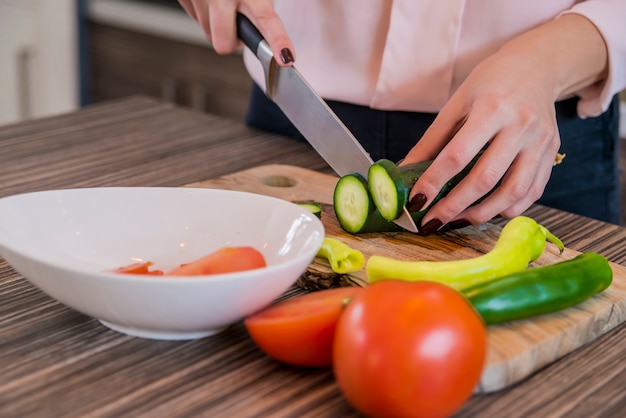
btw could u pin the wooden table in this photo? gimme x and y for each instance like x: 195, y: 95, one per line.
x: 57, y: 362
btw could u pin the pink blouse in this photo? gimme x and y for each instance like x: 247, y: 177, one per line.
x: 412, y: 55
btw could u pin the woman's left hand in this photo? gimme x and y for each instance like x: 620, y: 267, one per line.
x: 507, y: 102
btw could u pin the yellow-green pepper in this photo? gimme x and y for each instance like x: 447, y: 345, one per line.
x: 521, y: 241
x: 341, y: 257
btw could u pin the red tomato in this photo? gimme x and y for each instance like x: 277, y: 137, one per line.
x: 224, y: 260
x: 409, y: 349
x: 300, y: 331
x: 138, y: 268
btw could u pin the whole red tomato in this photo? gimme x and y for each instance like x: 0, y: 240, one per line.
x: 409, y: 349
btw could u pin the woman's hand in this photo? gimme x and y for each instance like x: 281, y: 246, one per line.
x: 218, y: 21
x: 507, y: 102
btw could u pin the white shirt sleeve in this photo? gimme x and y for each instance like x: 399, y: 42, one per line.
x: 609, y: 16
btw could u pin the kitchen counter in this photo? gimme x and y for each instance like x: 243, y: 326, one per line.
x: 55, y: 361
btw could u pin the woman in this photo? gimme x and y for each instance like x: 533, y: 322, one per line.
x: 441, y: 80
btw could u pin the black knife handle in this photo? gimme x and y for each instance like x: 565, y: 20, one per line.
x: 248, y: 33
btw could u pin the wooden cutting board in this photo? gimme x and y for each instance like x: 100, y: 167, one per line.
x: 516, y: 349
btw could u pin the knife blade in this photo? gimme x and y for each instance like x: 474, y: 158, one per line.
x: 309, y: 113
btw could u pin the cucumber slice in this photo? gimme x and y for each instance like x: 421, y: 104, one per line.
x: 387, y: 188
x: 314, y: 207
x: 390, y: 185
x: 352, y: 202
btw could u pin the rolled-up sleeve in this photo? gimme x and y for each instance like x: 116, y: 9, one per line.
x: 609, y: 16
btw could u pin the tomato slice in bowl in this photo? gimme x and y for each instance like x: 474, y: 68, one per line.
x: 224, y: 260
x: 138, y: 268
x: 300, y: 331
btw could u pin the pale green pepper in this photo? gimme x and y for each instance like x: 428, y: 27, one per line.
x: 521, y: 241
x: 341, y: 257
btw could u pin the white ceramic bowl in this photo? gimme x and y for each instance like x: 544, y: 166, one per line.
x: 64, y: 241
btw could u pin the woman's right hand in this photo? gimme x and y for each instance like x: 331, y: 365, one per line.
x: 217, y: 18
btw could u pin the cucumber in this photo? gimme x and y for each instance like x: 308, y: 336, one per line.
x: 390, y: 185
x: 314, y: 207
x: 355, y: 209
x: 370, y: 205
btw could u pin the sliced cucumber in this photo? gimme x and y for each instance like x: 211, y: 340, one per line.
x: 355, y: 209
x: 314, y: 207
x: 390, y: 185
x: 370, y: 205
x: 387, y: 189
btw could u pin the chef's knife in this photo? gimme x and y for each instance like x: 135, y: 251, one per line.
x: 309, y: 113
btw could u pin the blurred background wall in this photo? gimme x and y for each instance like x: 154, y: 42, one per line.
x: 58, y: 55
x: 38, y: 58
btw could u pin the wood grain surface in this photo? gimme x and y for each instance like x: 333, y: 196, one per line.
x: 516, y: 349
x: 56, y: 362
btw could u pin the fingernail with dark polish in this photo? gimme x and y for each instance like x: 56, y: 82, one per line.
x: 458, y: 224
x: 417, y: 202
x: 286, y: 56
x: 431, y: 226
